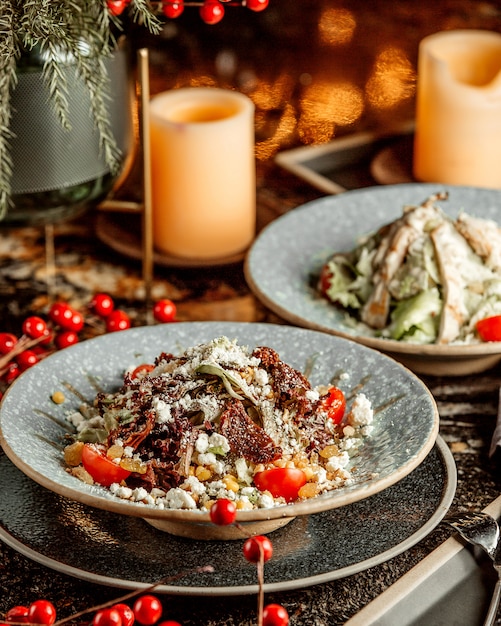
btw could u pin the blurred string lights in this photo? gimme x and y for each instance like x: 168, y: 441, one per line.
x: 323, y: 100
x: 329, y: 103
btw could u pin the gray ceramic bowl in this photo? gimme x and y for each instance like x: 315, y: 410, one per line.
x: 32, y: 427
x: 297, y: 244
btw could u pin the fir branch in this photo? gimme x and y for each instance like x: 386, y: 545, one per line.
x: 143, y: 13
x: 78, y: 32
x: 9, y: 51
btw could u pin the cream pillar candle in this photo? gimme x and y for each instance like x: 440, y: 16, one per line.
x: 458, y: 109
x: 203, y: 172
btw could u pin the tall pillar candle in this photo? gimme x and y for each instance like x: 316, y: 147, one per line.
x: 458, y: 109
x: 203, y: 172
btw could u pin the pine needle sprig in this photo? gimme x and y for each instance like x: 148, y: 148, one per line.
x: 62, y: 32
x: 9, y: 53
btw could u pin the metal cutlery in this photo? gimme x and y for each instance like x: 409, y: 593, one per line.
x: 483, y: 530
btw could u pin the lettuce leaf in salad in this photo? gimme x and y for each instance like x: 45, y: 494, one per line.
x: 419, y: 272
x: 417, y: 319
x: 351, y: 284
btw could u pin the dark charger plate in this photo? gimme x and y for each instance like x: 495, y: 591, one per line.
x: 126, y: 552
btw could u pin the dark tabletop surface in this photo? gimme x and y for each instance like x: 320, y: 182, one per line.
x: 277, y: 58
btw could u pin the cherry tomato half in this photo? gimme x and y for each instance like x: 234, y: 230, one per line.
x: 102, y: 469
x: 489, y: 328
x: 282, y: 482
x: 334, y: 403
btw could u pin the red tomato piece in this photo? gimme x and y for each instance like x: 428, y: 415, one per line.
x: 324, y: 280
x: 282, y: 482
x: 489, y: 328
x: 141, y: 370
x: 102, y: 469
x: 335, y: 404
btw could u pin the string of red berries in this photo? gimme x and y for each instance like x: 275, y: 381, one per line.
x: 62, y: 327
x: 211, y: 11
x: 147, y: 610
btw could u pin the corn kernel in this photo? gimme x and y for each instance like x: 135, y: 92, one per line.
x: 329, y: 451
x: 309, y: 490
x: 133, y: 465
x: 58, y: 397
x: 202, y: 473
x: 115, y: 452
x: 230, y: 483
x: 309, y: 472
x: 244, y: 505
x: 73, y: 453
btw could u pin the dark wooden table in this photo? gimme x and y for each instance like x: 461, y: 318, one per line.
x: 279, y: 59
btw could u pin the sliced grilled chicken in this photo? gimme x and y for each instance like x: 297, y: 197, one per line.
x: 484, y: 236
x: 394, y: 248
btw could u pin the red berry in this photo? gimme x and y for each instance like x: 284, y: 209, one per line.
x: 76, y: 323
x: 275, y: 615
x: 172, y: 9
x: 60, y: 311
x: 116, y: 7
x: 164, y: 311
x: 7, y: 342
x: 66, y: 339
x: 117, y: 320
x: 256, y: 5
x: 254, y: 546
x: 35, y: 327
x: 147, y: 610
x: 170, y: 622
x: 223, y: 512
x: 212, y: 11
x: 17, y: 614
x: 26, y: 359
x: 102, y: 304
x: 107, y: 617
x: 42, y: 612
x: 126, y: 613
x: 12, y: 373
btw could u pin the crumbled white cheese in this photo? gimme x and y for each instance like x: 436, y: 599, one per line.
x: 177, y: 498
